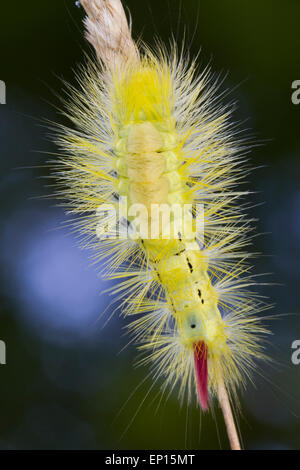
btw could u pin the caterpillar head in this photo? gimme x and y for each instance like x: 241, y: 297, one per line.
x: 197, y: 326
x: 204, y: 336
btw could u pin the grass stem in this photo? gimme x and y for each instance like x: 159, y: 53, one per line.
x: 228, y: 416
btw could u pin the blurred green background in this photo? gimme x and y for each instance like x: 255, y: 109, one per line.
x: 66, y: 385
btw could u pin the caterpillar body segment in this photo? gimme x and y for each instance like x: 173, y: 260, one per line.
x: 155, y: 135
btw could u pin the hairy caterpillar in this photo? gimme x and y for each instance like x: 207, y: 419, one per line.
x: 152, y: 133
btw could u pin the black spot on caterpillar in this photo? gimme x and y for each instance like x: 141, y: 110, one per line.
x: 179, y: 252
x: 190, y: 265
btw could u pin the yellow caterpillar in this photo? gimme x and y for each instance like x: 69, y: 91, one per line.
x: 152, y: 133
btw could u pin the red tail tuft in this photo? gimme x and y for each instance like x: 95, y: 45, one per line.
x: 200, y: 360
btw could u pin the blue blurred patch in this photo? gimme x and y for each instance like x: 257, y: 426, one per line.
x: 49, y: 277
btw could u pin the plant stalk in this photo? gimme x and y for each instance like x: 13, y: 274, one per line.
x: 228, y: 416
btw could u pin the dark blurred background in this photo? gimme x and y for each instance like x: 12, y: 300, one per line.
x: 66, y: 384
